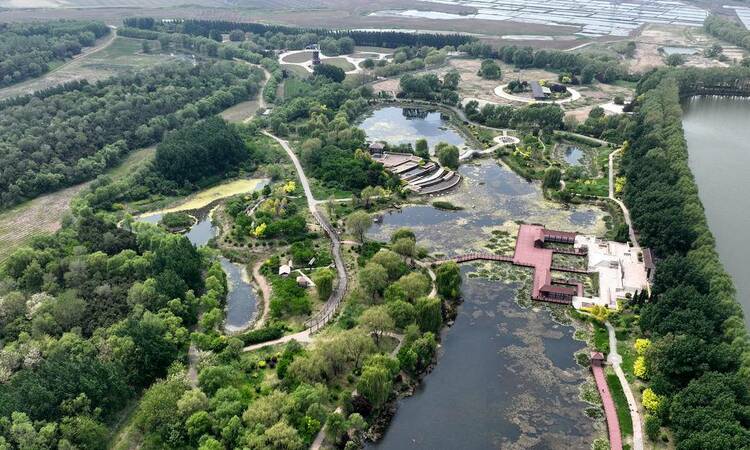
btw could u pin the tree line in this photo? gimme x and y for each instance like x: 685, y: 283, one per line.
x: 585, y: 66
x: 390, y: 39
x: 727, y: 30
x: 75, y: 133
x: 700, y: 351
x: 27, y: 50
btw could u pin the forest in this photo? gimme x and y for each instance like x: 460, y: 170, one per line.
x: 89, y: 317
x: 699, y: 359
x: 72, y: 135
x: 28, y: 50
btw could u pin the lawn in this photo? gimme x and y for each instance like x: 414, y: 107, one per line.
x: 601, y: 338
x: 621, y: 404
x: 210, y: 195
x: 594, y: 187
x: 295, y: 88
x: 297, y: 57
x: 340, y: 62
x: 297, y: 70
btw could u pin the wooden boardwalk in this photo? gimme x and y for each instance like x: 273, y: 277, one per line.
x: 610, y: 413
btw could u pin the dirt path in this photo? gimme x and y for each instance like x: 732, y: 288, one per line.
x: 265, y: 289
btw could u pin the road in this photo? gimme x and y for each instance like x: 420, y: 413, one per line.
x: 329, y: 309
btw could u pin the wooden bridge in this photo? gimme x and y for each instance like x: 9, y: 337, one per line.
x: 569, y: 269
x: 478, y: 257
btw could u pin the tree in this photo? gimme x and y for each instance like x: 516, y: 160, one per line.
x: 414, y: 285
x: 448, y: 280
x: 675, y: 59
x: 375, y: 385
x: 405, y: 247
x: 429, y: 314
x: 392, y: 263
x: 552, y: 178
x: 402, y: 312
x: 358, y: 223
x: 335, y: 426
x: 333, y: 73
x: 447, y: 155
x: 490, y: 70
x: 373, y: 278
x: 377, y: 321
x: 323, y: 279
x: 421, y: 148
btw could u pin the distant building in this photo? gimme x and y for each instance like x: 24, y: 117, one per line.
x: 537, y: 91
x: 376, y: 148
x: 315, y: 57
x: 648, y: 261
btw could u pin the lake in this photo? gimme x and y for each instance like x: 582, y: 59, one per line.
x: 390, y: 124
x: 718, y: 137
x: 506, y: 374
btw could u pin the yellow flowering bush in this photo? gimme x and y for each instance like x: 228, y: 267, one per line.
x: 639, y: 367
x: 650, y: 400
x: 260, y: 230
x: 641, y: 345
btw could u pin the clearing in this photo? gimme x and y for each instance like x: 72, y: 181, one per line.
x: 44, y: 214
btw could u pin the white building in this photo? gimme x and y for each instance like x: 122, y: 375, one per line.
x: 620, y: 268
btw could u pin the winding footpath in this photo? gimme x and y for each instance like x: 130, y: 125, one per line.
x: 329, y: 309
x: 614, y: 358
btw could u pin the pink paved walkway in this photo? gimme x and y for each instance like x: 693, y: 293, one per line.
x: 538, y: 258
x: 613, y: 425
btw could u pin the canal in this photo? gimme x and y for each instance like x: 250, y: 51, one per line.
x: 506, y: 374
x: 718, y: 138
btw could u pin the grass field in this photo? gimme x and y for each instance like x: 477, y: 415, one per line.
x: 297, y: 57
x: 297, y: 70
x: 240, y: 111
x: 210, y: 195
x: 44, y: 214
x: 340, y: 62
x: 294, y: 88
x: 121, y: 55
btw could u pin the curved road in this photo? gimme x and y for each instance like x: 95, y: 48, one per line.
x: 329, y: 309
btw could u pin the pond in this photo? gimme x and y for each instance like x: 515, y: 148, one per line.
x: 399, y: 126
x: 718, y: 141
x: 506, y: 375
x: 242, y: 301
x: 574, y: 155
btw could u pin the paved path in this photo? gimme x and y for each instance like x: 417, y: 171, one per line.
x: 613, y: 357
x: 329, y: 309
x: 625, y: 212
x: 307, y: 65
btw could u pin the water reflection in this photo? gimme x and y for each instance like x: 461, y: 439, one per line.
x: 393, y: 126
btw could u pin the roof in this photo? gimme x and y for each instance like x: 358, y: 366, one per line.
x: 558, y: 289
x: 285, y: 269
x: 648, y: 258
x: 597, y: 356
x: 536, y: 90
x: 554, y: 234
x: 377, y: 146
